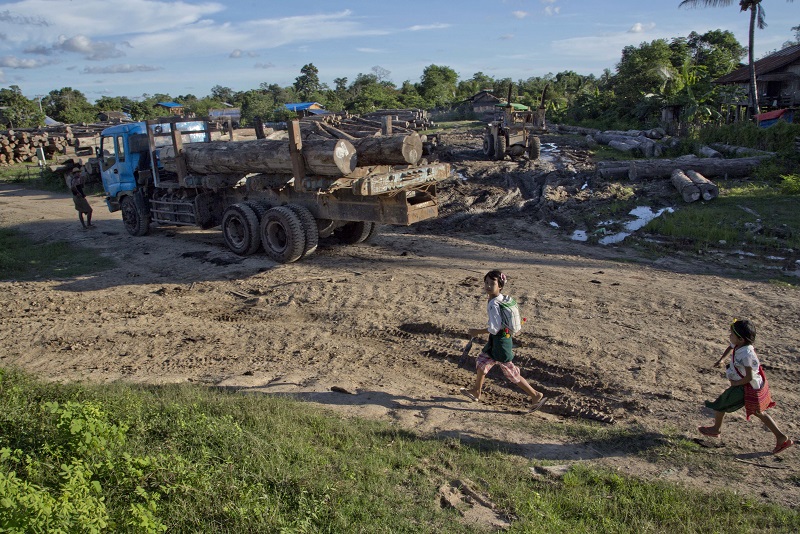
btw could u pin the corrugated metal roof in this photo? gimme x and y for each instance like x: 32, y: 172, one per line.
x: 772, y: 62
x: 301, y: 106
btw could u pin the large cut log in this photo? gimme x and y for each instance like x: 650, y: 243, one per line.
x: 708, y: 189
x: 389, y: 150
x: 685, y: 186
x: 328, y: 157
x: 662, y: 168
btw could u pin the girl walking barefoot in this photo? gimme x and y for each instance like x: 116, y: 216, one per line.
x: 498, y: 350
x: 749, y: 387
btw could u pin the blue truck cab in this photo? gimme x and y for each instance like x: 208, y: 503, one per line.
x: 123, y: 152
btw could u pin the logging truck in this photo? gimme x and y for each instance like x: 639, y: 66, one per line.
x: 279, y: 195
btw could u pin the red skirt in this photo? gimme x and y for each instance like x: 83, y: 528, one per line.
x: 757, y: 400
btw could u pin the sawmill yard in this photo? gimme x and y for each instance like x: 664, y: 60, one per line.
x: 623, y: 326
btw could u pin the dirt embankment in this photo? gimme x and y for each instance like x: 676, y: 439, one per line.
x: 610, y: 336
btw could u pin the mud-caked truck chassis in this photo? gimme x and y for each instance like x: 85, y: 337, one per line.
x: 279, y: 195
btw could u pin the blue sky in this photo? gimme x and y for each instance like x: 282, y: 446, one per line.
x: 135, y: 47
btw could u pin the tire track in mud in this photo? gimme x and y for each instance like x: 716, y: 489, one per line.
x: 571, y: 393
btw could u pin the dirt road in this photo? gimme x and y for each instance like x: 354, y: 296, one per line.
x: 610, y: 336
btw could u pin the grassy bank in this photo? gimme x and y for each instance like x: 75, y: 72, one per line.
x: 23, y: 259
x: 191, y: 459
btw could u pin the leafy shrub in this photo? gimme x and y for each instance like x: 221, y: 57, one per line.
x: 790, y: 184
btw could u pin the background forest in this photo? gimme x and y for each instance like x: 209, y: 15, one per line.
x: 679, y: 71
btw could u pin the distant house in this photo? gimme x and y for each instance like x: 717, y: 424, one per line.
x: 304, y: 109
x: 483, y: 104
x: 173, y: 107
x: 777, y: 80
x: 114, y: 116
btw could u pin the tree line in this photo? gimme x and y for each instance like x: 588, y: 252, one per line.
x: 677, y: 71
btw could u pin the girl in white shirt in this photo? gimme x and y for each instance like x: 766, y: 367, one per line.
x: 497, y: 350
x: 749, y: 387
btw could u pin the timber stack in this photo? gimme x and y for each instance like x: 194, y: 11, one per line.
x: 358, y: 130
x: 20, y: 145
x: 70, y: 141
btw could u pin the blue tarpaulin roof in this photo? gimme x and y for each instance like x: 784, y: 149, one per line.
x: 170, y: 104
x: 301, y: 106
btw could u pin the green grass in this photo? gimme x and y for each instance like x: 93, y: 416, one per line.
x: 745, y: 215
x: 23, y: 259
x: 191, y: 459
x: 45, y: 180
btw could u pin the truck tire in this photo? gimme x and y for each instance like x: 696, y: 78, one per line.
x: 500, y: 148
x: 282, y: 235
x: 488, y: 146
x: 534, y: 148
x: 372, y: 233
x: 355, y: 232
x: 310, y: 228
x: 137, y: 223
x: 240, y: 229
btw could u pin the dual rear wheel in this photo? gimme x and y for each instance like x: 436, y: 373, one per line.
x: 287, y: 233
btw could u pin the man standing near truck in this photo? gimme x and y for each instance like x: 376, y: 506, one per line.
x: 75, y: 183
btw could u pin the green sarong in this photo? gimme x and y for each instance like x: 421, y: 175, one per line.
x: 732, y: 399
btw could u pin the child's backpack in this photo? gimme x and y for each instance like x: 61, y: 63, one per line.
x: 509, y: 313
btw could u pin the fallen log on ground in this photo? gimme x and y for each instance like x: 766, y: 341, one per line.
x: 685, y: 186
x: 662, y: 168
x: 708, y: 189
x: 739, y: 151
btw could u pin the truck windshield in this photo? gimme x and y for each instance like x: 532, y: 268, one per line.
x: 162, y: 132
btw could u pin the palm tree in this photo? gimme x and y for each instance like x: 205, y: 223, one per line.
x: 757, y: 15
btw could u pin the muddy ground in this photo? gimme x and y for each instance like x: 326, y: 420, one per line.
x: 615, y: 337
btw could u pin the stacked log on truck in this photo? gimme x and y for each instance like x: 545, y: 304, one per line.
x: 350, y: 127
x: 277, y: 194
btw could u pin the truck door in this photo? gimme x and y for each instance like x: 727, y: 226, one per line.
x: 117, y: 174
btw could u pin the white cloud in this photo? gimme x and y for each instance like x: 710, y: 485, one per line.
x: 239, y: 53
x: 120, y: 69
x: 370, y: 50
x: 265, y: 65
x: 550, y: 11
x: 641, y: 28
x: 423, y: 27
x: 506, y: 37
x: 520, y: 14
x: 13, y: 62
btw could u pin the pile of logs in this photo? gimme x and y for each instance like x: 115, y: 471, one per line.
x: 58, y: 142
x: 357, y: 129
x: 693, y: 186
x: 415, y: 119
x: 20, y: 145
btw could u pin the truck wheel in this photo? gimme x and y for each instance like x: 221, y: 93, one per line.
x: 310, y: 228
x: 534, y: 148
x: 240, y: 229
x: 500, y: 149
x: 372, y: 233
x: 136, y: 222
x: 282, y: 235
x: 488, y: 146
x: 355, y: 232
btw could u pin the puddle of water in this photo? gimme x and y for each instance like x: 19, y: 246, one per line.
x: 549, y: 148
x: 643, y: 214
x: 579, y: 235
